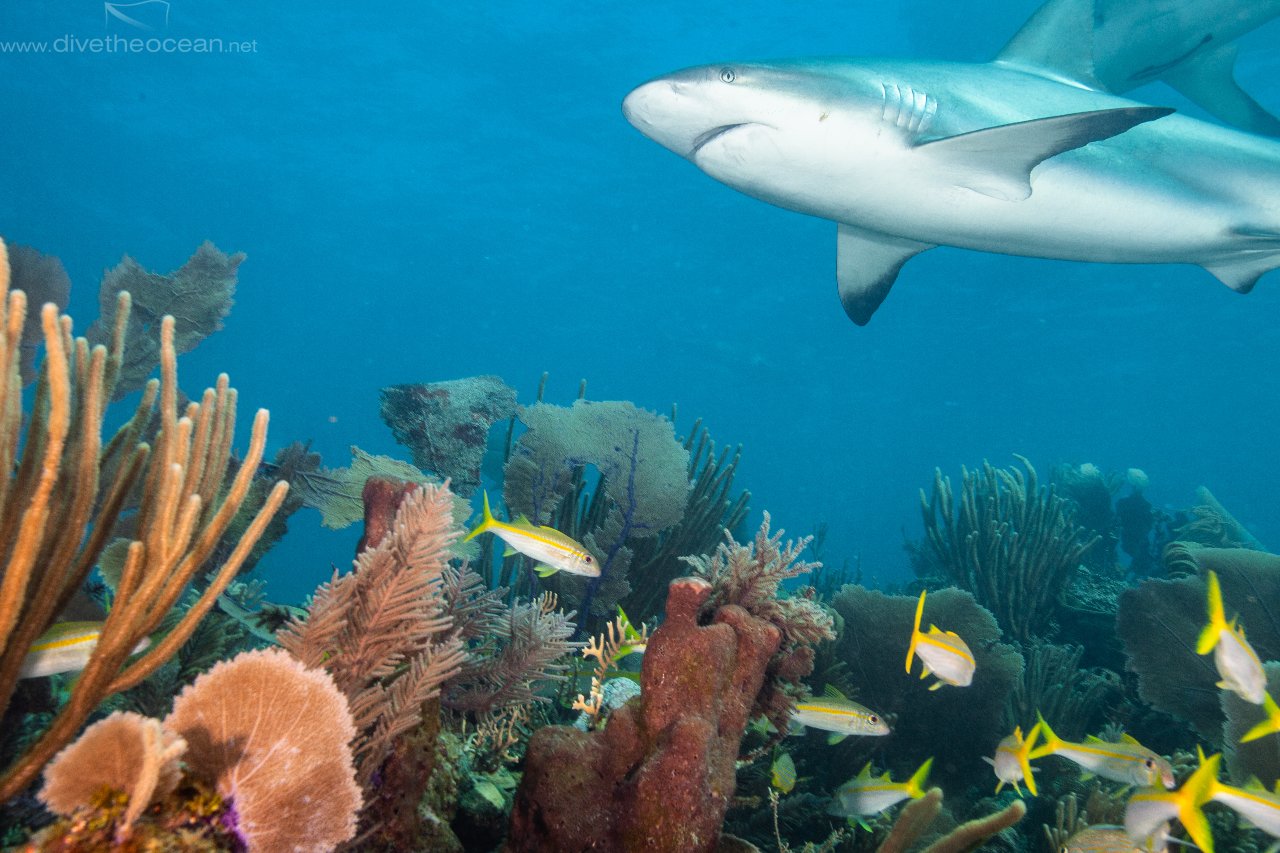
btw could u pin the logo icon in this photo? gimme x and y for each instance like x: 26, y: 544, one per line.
x: 141, y: 15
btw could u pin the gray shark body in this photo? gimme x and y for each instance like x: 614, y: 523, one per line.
x: 1001, y: 157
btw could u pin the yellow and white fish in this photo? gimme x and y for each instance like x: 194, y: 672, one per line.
x: 554, y: 551
x: 942, y: 653
x: 1149, y: 810
x: 782, y: 774
x: 65, y: 647
x: 1268, y: 726
x: 1128, y: 761
x: 866, y: 795
x: 1254, y: 803
x: 1237, y: 662
x: 841, y: 717
x: 1011, y: 762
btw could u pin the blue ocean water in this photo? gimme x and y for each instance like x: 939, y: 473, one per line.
x: 434, y: 191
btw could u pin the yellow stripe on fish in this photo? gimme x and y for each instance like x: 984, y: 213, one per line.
x: 838, y: 715
x: 1235, y: 659
x: 65, y: 647
x: 867, y: 795
x: 553, y: 550
x: 1128, y: 761
x: 942, y: 653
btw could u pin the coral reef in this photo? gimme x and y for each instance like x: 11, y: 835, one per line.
x: 874, y: 641
x: 1011, y: 543
x: 750, y: 576
x: 671, y: 752
x: 446, y: 424
x: 381, y: 630
x: 266, y: 767
x: 65, y: 493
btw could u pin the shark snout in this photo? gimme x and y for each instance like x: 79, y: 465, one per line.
x: 673, y: 111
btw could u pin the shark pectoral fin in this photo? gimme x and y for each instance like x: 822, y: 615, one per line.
x: 867, y: 265
x: 1208, y: 79
x: 997, y: 161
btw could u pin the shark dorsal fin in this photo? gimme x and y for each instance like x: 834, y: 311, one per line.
x: 997, y: 161
x: 1057, y: 41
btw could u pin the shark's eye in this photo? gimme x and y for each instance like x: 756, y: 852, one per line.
x: 727, y: 75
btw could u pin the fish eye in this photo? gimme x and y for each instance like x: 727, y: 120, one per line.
x: 874, y: 718
x: 587, y: 559
x: 727, y: 75
x: 1150, y: 763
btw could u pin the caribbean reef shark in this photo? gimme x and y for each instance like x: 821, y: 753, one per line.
x: 1027, y: 155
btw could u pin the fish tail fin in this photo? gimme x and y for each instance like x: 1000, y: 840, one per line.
x: 1217, y: 617
x: 1024, y: 759
x: 1194, y: 793
x: 1270, y: 725
x: 915, y: 785
x: 915, y: 631
x: 486, y: 521
x: 1051, y: 740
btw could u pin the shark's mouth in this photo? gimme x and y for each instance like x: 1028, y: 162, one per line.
x: 713, y: 133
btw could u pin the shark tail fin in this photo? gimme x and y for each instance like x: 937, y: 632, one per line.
x: 486, y: 522
x: 915, y: 632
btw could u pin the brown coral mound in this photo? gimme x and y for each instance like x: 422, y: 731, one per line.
x: 125, y: 752
x: 273, y: 737
x: 660, y: 775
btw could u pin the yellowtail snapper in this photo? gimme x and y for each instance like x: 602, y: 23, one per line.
x: 1237, y: 662
x: 866, y: 795
x: 1012, y: 763
x: 942, y: 653
x: 1128, y: 761
x: 1270, y: 724
x: 553, y: 551
x: 838, y: 715
x: 1149, y: 810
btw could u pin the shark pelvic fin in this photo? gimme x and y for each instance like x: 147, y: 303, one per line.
x: 997, y: 161
x: 1242, y: 272
x: 1208, y: 79
x: 867, y: 265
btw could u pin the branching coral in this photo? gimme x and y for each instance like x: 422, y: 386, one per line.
x: 750, y: 576
x: 1011, y: 543
x: 381, y: 630
x: 64, y: 494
